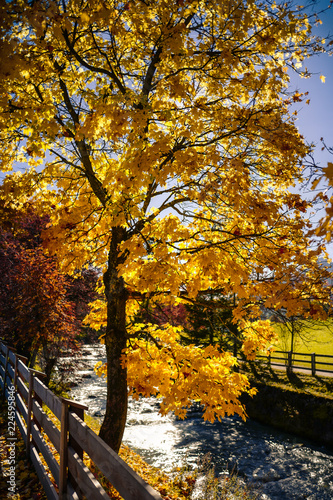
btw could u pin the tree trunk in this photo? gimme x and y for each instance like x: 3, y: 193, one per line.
x: 32, y: 355
x: 48, y: 369
x: 115, y: 340
x: 292, y: 347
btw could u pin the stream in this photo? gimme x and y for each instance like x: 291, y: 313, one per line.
x: 282, y: 466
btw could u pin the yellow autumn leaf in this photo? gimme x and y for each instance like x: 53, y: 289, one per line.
x: 170, y: 167
x: 329, y: 170
x: 84, y: 17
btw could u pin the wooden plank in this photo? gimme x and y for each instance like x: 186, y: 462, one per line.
x: 129, y: 484
x: 89, y: 485
x: 12, y: 356
x: 23, y: 370
x: 71, y: 493
x: 37, y: 373
x: 22, y: 358
x: 11, y: 372
x: 46, y: 452
x: 29, y: 419
x: 3, y: 357
x: 8, y: 392
x: 43, y: 477
x: 5, y: 375
x: 21, y: 407
x: 40, y: 402
x: 46, y: 423
x: 22, y: 389
x: 51, y: 401
x: 21, y: 426
x: 324, y: 371
x: 2, y: 361
x: 9, y: 381
x: 74, y: 444
x: 74, y: 404
x: 15, y: 372
x: 63, y: 451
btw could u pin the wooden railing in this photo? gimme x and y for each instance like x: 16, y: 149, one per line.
x: 70, y: 439
x: 300, y: 361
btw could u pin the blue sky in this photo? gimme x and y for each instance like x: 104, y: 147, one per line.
x: 316, y: 119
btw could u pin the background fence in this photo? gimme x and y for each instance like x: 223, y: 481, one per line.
x: 58, y: 451
x: 300, y: 361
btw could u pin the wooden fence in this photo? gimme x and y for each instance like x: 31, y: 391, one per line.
x: 70, y: 440
x: 300, y: 361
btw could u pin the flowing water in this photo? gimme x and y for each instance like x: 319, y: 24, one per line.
x: 282, y: 466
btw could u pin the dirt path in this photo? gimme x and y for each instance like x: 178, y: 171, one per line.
x: 319, y: 373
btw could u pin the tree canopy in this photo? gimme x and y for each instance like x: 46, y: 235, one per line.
x: 158, y: 137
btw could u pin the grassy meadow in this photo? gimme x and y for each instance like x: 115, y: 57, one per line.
x: 313, y: 337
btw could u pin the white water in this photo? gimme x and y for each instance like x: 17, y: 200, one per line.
x: 283, y: 466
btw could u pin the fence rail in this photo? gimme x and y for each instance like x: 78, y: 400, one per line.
x: 62, y: 447
x: 301, y: 361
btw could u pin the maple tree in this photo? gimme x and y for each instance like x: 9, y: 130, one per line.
x: 158, y: 137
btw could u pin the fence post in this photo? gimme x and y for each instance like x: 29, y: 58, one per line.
x: 77, y: 409
x: 63, y: 450
x: 289, y: 365
x: 39, y: 375
x: 313, y: 364
x: 30, y: 397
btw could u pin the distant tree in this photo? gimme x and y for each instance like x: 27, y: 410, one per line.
x: 207, y: 320
x: 210, y: 321
x: 296, y: 330
x: 36, y: 315
x: 81, y: 291
x: 311, y: 287
x: 160, y: 314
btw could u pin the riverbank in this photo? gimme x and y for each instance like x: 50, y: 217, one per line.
x: 182, y: 484
x: 281, y: 466
x: 296, y: 403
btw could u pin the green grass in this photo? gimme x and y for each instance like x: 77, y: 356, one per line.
x: 313, y: 337
x: 317, y: 337
x: 298, y: 382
